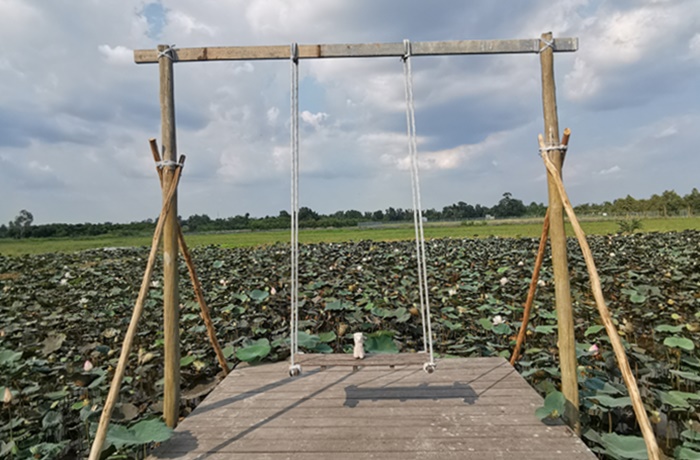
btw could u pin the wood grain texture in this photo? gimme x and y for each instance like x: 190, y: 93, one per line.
x: 358, y: 50
x: 468, y: 408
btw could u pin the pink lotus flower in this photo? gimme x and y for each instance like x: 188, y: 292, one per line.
x: 87, y: 366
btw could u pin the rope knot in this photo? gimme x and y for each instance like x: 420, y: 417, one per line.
x: 168, y: 52
x: 406, y: 49
x: 294, y: 53
x: 547, y: 44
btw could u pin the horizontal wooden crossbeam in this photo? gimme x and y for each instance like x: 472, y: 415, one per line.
x: 361, y: 50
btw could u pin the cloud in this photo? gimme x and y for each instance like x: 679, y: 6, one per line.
x: 612, y: 170
x: 75, y: 102
x: 615, y: 59
x: 313, y: 119
x: 118, y: 55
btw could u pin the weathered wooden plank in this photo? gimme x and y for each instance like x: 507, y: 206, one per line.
x: 287, y: 431
x: 394, y: 392
x: 359, y: 50
x: 312, y: 444
x: 204, y: 422
x: 375, y: 410
x: 422, y: 455
x: 348, y: 360
x: 505, y: 379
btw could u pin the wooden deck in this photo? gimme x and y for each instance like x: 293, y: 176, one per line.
x: 476, y: 408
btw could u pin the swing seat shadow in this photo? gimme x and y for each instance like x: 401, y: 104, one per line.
x: 458, y: 390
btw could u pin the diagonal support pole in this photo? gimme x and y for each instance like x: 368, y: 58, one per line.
x: 535, y: 272
x: 616, y: 342
x: 135, y: 317
x: 196, y: 285
x: 531, y: 292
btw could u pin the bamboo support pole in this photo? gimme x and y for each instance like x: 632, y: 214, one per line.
x: 535, y: 273
x: 532, y: 290
x: 116, y: 384
x: 618, y: 347
x: 197, y: 286
x: 171, y: 300
x: 557, y: 237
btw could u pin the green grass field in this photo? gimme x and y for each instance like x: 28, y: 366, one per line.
x: 505, y: 229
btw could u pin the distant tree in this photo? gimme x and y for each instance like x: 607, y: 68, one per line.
x: 378, y: 215
x: 353, y: 214
x: 509, y: 207
x: 22, y: 223
x: 692, y: 202
x: 307, y: 214
x: 672, y: 202
x: 539, y: 209
x: 284, y: 215
x: 625, y: 205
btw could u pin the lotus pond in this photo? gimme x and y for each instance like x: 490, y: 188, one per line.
x: 63, y: 317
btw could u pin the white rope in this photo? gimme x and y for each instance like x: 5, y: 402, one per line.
x: 417, y: 209
x: 550, y: 148
x: 166, y: 163
x: 168, y: 52
x: 547, y: 44
x: 294, y: 147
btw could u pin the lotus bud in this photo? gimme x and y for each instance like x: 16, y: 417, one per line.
x: 498, y: 319
x: 504, y: 281
x: 541, y: 283
x: 7, y: 397
x: 273, y: 291
x: 87, y: 366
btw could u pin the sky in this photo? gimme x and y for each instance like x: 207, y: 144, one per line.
x: 76, y: 112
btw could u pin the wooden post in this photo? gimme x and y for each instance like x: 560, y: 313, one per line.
x: 557, y: 237
x: 171, y: 301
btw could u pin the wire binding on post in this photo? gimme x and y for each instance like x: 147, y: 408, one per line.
x: 168, y: 52
x: 429, y: 368
x: 166, y: 163
x: 547, y: 44
x: 294, y: 370
x: 550, y: 148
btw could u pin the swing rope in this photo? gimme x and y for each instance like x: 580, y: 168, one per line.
x: 294, y: 146
x: 295, y: 369
x: 417, y: 209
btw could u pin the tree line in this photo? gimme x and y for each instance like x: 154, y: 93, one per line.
x: 669, y: 203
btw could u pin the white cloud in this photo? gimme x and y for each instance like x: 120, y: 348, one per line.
x: 694, y: 45
x: 313, y: 119
x: 119, y: 55
x: 272, y: 114
x: 610, y: 170
x: 670, y: 131
x: 187, y: 24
